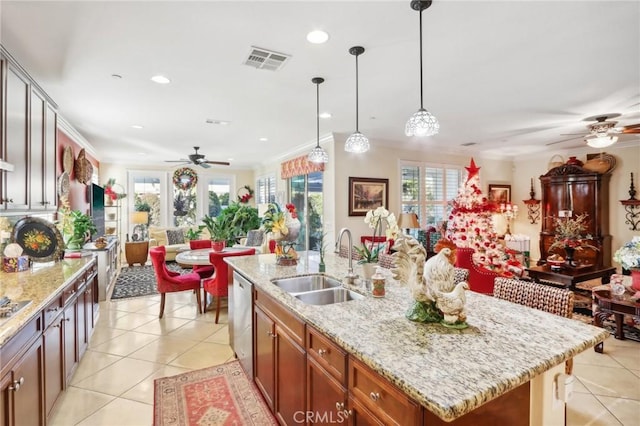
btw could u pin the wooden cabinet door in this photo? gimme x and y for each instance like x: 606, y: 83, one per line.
x: 290, y: 378
x: 54, y: 381
x: 359, y: 415
x: 326, y: 398
x: 50, y: 181
x: 6, y: 400
x: 81, y: 321
x: 28, y: 404
x: 265, y: 356
x: 36, y: 153
x: 16, y: 142
x: 70, y: 341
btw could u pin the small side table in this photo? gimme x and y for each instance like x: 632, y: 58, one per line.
x: 136, y: 252
x: 607, y: 304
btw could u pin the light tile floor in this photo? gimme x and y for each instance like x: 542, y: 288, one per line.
x: 131, y: 347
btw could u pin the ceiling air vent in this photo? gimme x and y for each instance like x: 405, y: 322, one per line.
x: 469, y: 144
x: 266, y: 59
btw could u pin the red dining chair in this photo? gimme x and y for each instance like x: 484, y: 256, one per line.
x: 218, y: 285
x: 205, y: 271
x: 170, y: 281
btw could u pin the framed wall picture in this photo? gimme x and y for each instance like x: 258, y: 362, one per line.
x: 366, y: 194
x: 499, y: 193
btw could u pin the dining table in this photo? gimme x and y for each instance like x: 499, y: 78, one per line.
x: 200, y: 256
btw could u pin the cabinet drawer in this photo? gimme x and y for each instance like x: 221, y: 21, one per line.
x: 19, y: 343
x: 285, y: 318
x: 329, y: 355
x: 381, y: 397
x: 52, y: 310
x: 69, y: 291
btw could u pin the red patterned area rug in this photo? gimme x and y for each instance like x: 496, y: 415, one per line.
x: 220, y: 395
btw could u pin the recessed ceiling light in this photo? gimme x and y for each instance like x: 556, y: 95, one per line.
x: 137, y: 126
x: 229, y: 159
x: 325, y: 115
x: 219, y: 122
x: 317, y: 37
x: 116, y: 76
x: 263, y: 139
x: 160, y: 79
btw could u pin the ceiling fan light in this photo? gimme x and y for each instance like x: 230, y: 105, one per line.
x: 601, y: 141
x: 357, y: 143
x: 318, y: 155
x: 422, y: 123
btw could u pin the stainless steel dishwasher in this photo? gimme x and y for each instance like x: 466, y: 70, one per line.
x: 242, y: 322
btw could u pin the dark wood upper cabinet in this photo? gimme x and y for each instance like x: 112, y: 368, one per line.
x: 574, y: 189
x: 28, y: 124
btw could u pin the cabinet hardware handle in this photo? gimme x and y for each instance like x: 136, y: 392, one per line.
x: 272, y: 335
x: 349, y: 413
x: 340, y: 406
x: 53, y: 309
x: 322, y: 352
x: 16, y: 384
x: 56, y: 325
x: 67, y: 319
x: 374, y: 396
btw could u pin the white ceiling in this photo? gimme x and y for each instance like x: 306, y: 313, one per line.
x: 510, y: 76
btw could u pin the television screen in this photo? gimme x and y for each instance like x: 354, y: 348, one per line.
x: 97, y: 210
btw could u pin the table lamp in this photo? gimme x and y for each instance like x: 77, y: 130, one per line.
x: 140, y: 220
x: 408, y: 221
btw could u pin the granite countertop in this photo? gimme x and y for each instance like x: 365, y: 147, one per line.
x: 450, y: 372
x: 39, y: 285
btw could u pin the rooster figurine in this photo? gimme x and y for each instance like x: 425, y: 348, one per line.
x: 452, y: 305
x: 436, y: 297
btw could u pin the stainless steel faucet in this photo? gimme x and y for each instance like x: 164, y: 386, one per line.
x: 350, y: 275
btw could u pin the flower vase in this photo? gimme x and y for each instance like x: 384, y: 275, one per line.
x: 570, y: 252
x: 635, y: 279
x: 368, y: 269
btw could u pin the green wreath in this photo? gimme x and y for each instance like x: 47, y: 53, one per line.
x: 185, y: 178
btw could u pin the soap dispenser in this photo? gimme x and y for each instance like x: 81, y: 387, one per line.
x: 378, y: 280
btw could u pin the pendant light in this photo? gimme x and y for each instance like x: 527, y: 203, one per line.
x: 421, y: 123
x: 357, y: 142
x: 317, y: 154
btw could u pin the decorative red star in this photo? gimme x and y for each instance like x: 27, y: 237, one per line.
x: 472, y: 169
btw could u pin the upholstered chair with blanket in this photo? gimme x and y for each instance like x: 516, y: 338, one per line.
x: 170, y: 281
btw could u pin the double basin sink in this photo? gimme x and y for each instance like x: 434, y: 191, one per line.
x: 317, y: 289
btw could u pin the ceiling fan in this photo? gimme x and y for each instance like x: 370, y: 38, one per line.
x: 602, y: 131
x: 198, y: 160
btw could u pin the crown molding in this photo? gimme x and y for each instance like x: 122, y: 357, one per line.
x: 70, y: 131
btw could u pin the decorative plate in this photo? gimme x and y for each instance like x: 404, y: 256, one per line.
x: 83, y: 168
x: 63, y: 184
x: 67, y: 159
x: 39, y: 239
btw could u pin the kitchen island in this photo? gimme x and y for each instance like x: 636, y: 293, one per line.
x: 449, y: 372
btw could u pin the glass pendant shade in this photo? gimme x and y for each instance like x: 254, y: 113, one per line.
x: 318, y: 154
x: 602, y: 141
x: 422, y: 123
x: 357, y: 143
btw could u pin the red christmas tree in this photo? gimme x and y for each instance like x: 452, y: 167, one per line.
x: 470, y: 224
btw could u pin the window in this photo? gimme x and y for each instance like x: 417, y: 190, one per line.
x: 266, y: 189
x: 428, y: 188
x: 218, y: 194
x: 305, y: 192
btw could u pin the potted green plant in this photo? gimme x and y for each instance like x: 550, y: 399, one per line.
x: 220, y: 231
x: 193, y: 233
x: 76, y: 228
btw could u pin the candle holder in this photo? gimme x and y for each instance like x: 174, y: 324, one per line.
x: 533, y: 206
x: 509, y: 211
x: 632, y: 208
